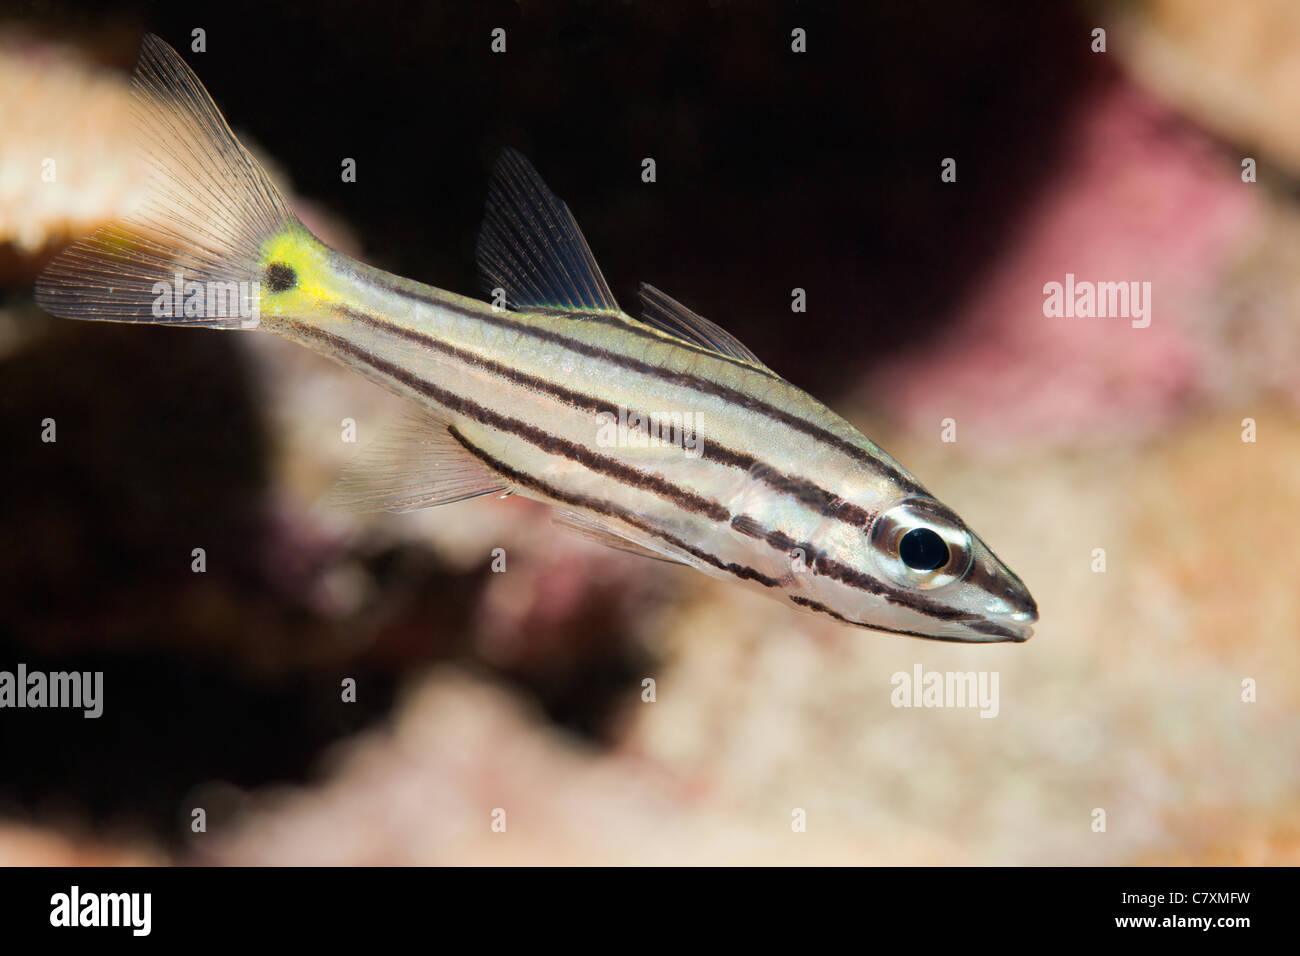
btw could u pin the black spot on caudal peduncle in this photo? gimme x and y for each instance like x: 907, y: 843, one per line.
x: 280, y: 277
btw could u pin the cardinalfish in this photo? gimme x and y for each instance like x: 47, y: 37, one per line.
x: 662, y: 435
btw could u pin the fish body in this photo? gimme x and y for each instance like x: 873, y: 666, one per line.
x: 661, y: 435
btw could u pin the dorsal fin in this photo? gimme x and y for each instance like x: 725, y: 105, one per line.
x: 661, y: 311
x: 530, y: 245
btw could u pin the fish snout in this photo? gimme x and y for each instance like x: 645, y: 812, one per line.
x: 1017, y: 603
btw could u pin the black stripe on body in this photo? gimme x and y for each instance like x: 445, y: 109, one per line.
x: 601, y: 507
x: 663, y: 338
x: 807, y: 493
x: 551, y: 444
x: 818, y: 562
x: 696, y: 383
x: 984, y: 627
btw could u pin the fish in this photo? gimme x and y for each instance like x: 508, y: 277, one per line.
x: 661, y: 435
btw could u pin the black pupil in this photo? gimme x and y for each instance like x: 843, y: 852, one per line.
x: 923, y: 550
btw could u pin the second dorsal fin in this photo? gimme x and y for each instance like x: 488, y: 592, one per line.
x: 661, y: 311
x: 531, y: 247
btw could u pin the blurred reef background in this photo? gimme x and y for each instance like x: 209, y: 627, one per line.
x: 775, y: 170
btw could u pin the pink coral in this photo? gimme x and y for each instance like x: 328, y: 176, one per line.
x: 1138, y: 196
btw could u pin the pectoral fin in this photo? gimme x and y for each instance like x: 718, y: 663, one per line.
x: 414, y: 464
x: 609, y: 534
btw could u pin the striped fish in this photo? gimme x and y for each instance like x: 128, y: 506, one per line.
x: 663, y: 436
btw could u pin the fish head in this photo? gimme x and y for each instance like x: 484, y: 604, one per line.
x: 916, y: 568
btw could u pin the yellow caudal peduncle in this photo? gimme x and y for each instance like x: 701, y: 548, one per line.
x: 294, y: 274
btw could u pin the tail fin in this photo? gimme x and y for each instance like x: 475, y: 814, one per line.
x: 208, y: 208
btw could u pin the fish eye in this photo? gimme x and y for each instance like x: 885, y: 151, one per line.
x: 919, y: 544
x: 922, y: 549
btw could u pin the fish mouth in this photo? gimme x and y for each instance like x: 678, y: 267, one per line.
x: 1012, y: 613
x: 1006, y: 610
x: 1014, y: 619
x: 1016, y: 626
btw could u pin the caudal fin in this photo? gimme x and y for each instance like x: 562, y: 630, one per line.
x: 208, y: 208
